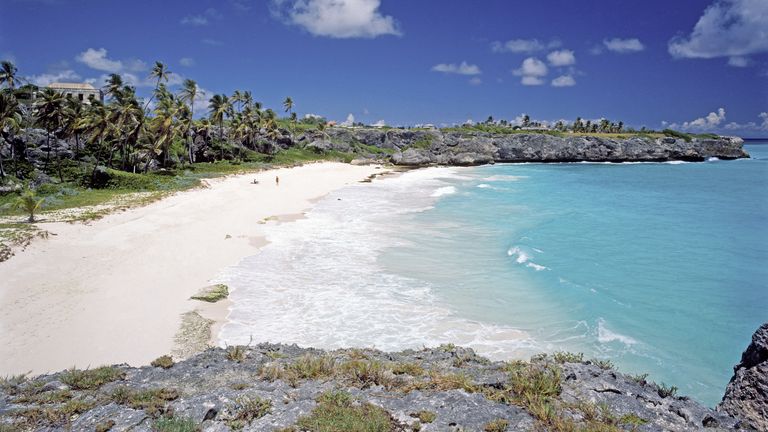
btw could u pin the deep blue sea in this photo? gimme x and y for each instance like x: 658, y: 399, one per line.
x: 661, y: 268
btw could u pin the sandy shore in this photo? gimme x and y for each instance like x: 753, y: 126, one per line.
x: 114, y: 291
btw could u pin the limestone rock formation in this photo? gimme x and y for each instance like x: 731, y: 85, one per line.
x: 746, y: 396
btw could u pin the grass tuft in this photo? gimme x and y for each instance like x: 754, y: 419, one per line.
x: 338, y: 411
x: 236, y: 353
x: 165, y: 362
x: 91, y: 379
x: 568, y: 357
x: 153, y: 401
x: 425, y: 416
x: 175, y: 424
x: 246, y: 409
x: 498, y: 425
x: 667, y: 391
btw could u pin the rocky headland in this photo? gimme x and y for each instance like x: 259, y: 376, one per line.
x: 268, y: 387
x: 438, y: 147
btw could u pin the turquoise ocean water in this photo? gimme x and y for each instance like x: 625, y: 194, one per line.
x: 660, y: 267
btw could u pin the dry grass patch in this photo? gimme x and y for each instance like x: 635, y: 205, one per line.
x: 91, y: 379
x: 153, y: 401
x: 338, y: 411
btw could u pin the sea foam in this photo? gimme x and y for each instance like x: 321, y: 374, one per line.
x: 319, y: 281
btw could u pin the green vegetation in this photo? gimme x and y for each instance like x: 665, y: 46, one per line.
x: 30, y: 203
x: 236, y: 353
x: 686, y: 136
x: 603, y: 364
x: 667, y: 391
x: 58, y: 416
x: 246, y: 409
x: 423, y: 143
x: 408, y: 368
x: 425, y: 416
x: 165, y: 362
x: 91, y: 379
x: 567, y: 357
x: 119, y: 146
x: 153, y: 401
x: 336, y: 411
x: 212, y: 294
x: 498, y: 425
x: 175, y: 424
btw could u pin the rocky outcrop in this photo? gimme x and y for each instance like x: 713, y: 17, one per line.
x: 275, y: 387
x: 747, y: 393
x: 420, y: 148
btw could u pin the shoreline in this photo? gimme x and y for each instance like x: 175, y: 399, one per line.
x: 114, y: 291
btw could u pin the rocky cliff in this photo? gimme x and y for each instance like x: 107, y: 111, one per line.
x: 747, y: 394
x: 420, y: 147
x: 279, y: 387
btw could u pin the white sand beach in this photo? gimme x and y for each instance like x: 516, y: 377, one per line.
x: 114, y: 290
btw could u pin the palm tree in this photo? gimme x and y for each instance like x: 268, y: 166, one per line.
x: 50, y: 112
x: 8, y: 74
x: 114, y: 85
x: 237, y: 98
x: 247, y: 99
x: 97, y: 125
x: 220, y: 107
x: 188, y: 94
x: 10, y: 121
x: 73, y: 112
x: 288, y: 106
x: 605, y: 126
x: 164, y: 124
x: 30, y: 203
x: 160, y: 72
x: 128, y: 120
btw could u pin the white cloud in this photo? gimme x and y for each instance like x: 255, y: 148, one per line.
x: 380, y: 123
x: 532, y: 70
x: 45, y: 79
x: 523, y: 45
x: 349, y: 121
x: 337, y: 18
x: 738, y: 61
x: 709, y: 122
x: 194, y: 20
x: 751, y: 126
x: 624, y: 46
x: 728, y: 28
x: 187, y: 61
x: 564, y: 81
x: 561, y: 58
x: 476, y: 81
x: 137, y: 81
x: 212, y: 42
x: 97, y: 59
x: 463, y: 68
x: 202, y: 19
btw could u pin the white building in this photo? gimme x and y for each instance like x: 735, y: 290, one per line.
x: 82, y: 91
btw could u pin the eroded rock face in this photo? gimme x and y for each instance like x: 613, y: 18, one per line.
x: 460, y: 391
x: 419, y: 148
x: 746, y: 396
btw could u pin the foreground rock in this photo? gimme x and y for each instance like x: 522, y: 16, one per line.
x: 279, y: 387
x: 420, y: 148
x: 747, y: 393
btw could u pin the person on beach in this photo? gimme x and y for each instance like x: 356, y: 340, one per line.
x: 277, y: 181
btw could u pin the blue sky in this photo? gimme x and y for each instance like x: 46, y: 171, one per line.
x: 699, y: 65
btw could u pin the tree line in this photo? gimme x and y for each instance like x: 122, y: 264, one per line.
x: 127, y: 133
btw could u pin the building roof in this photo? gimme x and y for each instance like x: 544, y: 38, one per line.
x: 72, y: 86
